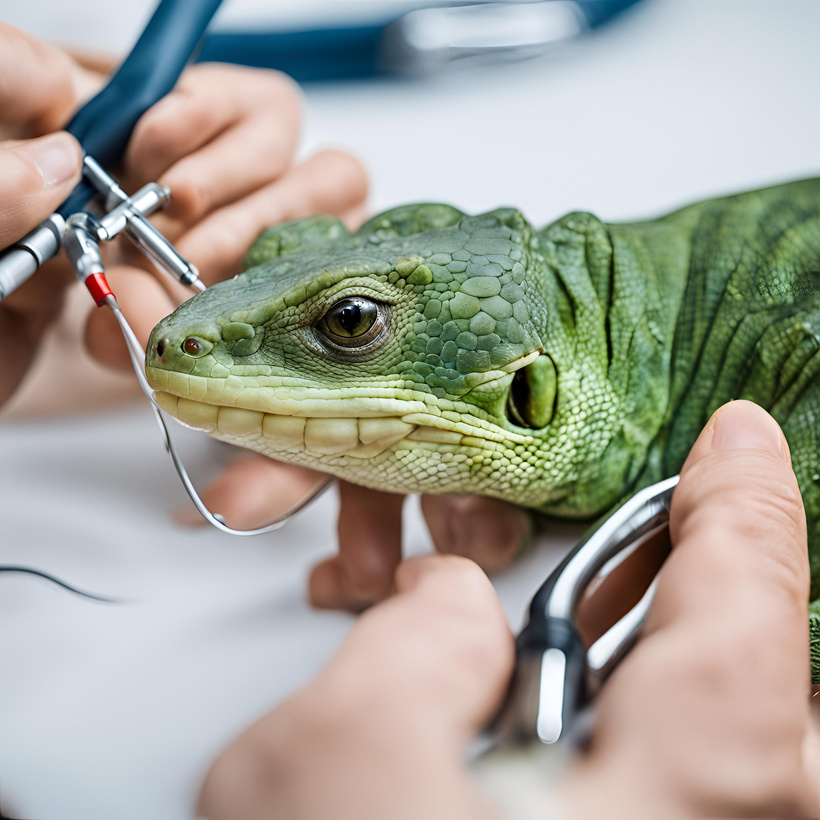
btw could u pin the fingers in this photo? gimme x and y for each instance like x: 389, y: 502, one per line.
x: 37, y: 92
x: 741, y: 511
x: 223, y: 141
x: 331, y: 182
x: 37, y: 176
x: 489, y: 531
x: 253, y: 491
x: 385, y: 722
x: 224, y: 132
x: 369, y: 529
x: 443, y: 645
x: 713, y: 703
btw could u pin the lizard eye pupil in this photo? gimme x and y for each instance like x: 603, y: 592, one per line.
x: 350, y: 317
x: 352, y: 322
x: 195, y: 347
x: 191, y: 346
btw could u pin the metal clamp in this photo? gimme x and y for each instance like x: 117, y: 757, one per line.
x: 129, y: 214
x: 122, y: 214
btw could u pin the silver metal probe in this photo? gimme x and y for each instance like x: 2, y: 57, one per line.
x: 123, y: 213
x: 141, y: 232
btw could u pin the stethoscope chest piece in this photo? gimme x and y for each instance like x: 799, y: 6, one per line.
x: 556, y: 675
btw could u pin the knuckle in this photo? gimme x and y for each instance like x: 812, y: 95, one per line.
x: 369, y: 580
x: 694, y: 664
x: 251, y: 87
x: 754, y: 783
x: 200, y: 117
x: 48, y: 97
x: 163, y: 136
x: 190, y: 200
x: 284, y: 88
x: 770, y: 780
x: 271, y: 88
x: 334, y: 181
x: 151, y: 133
x: 758, y: 735
x: 349, y: 168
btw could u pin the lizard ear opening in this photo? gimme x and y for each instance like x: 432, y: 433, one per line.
x: 533, y: 393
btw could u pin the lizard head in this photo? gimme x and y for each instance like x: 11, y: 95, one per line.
x: 405, y: 357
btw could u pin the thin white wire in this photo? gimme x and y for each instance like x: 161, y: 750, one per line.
x: 137, y: 355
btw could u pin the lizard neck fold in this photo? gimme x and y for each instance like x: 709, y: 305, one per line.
x: 614, y: 293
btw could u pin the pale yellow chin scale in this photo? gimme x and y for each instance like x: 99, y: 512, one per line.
x: 358, y: 438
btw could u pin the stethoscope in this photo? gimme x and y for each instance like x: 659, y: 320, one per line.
x: 556, y: 674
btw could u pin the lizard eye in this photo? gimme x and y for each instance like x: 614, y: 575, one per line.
x: 352, y: 322
x: 195, y: 347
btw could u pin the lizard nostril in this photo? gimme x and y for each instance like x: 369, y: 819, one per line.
x: 160, y: 348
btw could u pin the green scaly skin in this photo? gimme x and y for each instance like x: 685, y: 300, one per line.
x: 558, y: 369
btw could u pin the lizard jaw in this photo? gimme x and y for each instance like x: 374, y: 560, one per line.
x: 361, y: 438
x: 321, y: 436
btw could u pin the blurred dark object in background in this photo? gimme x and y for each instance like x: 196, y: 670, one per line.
x: 417, y: 42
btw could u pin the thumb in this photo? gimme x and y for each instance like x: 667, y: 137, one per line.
x: 386, y: 720
x: 438, y: 654
x: 36, y: 176
x: 739, y: 530
x: 712, y: 703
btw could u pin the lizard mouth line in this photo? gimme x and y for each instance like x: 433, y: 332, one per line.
x: 330, y: 431
x: 350, y: 435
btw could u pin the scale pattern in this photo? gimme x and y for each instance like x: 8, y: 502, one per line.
x: 559, y: 369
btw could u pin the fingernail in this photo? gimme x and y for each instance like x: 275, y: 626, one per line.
x: 742, y: 425
x: 56, y: 156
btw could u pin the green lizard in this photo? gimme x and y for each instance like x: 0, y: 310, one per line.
x: 558, y: 369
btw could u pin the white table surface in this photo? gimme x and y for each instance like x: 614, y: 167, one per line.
x: 115, y: 711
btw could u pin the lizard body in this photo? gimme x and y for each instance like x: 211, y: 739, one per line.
x: 558, y: 369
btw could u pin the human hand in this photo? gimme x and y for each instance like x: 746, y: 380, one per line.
x: 708, y: 716
x: 39, y: 89
x: 224, y: 141
x: 380, y: 732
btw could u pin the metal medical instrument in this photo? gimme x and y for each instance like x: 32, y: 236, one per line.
x: 103, y: 126
x: 556, y: 675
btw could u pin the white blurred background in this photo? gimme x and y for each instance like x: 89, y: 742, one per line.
x: 115, y: 712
